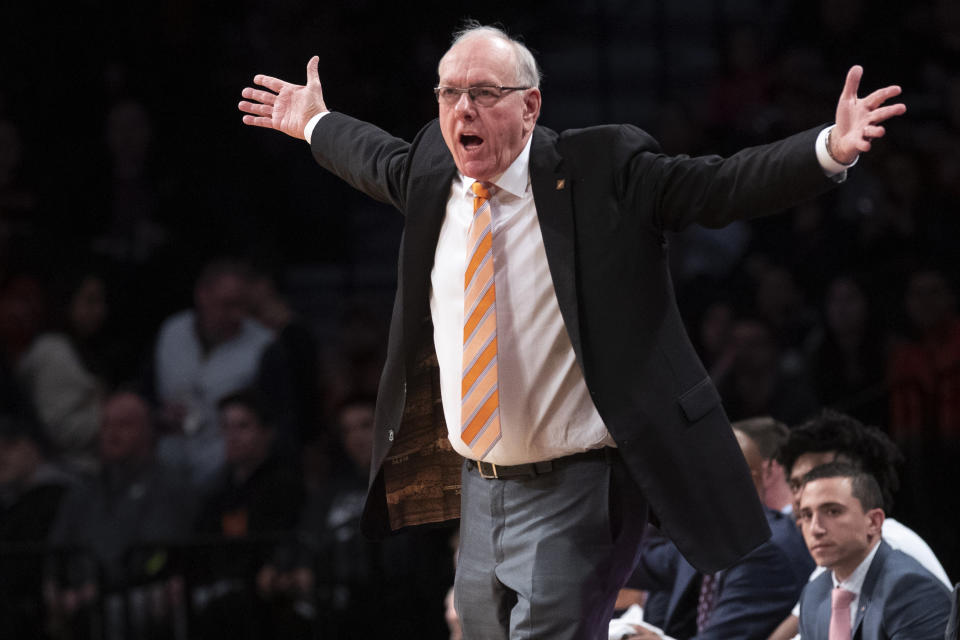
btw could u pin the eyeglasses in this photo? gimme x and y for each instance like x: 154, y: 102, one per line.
x: 483, y: 95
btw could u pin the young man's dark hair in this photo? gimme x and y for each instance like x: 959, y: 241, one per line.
x: 865, y: 447
x: 863, y: 486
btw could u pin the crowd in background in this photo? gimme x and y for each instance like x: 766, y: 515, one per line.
x: 150, y: 382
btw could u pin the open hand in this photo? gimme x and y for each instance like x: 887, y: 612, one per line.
x: 858, y: 119
x: 289, y: 107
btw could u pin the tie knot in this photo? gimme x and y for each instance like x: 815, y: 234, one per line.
x: 480, y: 191
x: 841, y: 598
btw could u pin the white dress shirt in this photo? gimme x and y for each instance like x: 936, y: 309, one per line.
x: 545, y: 408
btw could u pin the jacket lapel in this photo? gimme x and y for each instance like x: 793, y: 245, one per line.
x: 869, y: 583
x: 552, y: 193
x: 425, y: 209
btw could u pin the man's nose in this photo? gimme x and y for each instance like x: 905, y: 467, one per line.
x: 815, y: 527
x: 465, y: 106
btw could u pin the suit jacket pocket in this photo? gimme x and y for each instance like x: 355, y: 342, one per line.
x: 699, y: 400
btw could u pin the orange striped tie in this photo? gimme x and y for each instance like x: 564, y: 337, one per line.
x: 480, y: 408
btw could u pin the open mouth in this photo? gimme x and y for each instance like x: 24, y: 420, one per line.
x: 470, y: 141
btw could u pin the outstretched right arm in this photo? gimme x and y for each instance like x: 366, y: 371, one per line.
x: 366, y: 157
x: 285, y: 107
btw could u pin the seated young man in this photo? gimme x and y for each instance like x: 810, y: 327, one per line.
x: 870, y: 591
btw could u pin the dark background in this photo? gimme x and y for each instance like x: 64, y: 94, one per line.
x: 705, y: 76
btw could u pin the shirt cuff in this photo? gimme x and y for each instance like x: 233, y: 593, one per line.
x: 311, y: 123
x: 831, y: 168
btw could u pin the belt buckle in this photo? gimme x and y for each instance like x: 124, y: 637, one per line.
x: 487, y: 470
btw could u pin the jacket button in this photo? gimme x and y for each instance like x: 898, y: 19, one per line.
x: 390, y: 435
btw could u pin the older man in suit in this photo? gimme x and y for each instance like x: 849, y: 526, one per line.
x: 534, y: 300
x: 871, y: 591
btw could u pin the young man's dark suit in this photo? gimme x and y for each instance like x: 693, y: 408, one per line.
x: 899, y: 600
x: 604, y: 197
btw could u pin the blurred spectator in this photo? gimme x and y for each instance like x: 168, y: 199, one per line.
x: 450, y: 615
x: 31, y: 489
x: 847, y: 355
x: 288, y: 378
x: 758, y: 382
x: 924, y: 370
x: 371, y: 588
x: 63, y: 394
x: 760, y: 441
x: 134, y: 500
x: 711, y: 335
x: 256, y: 496
x: 66, y: 370
x: 31, y: 486
x: 255, y: 492
x: 132, y: 232
x: 202, y: 355
x: 924, y: 378
x: 23, y: 314
x: 780, y: 303
x: 449, y: 603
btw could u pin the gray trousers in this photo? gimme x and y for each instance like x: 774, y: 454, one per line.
x: 544, y: 556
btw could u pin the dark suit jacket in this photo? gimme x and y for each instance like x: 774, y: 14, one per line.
x: 753, y: 596
x: 900, y: 599
x: 604, y: 198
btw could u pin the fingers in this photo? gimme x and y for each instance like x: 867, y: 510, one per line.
x: 274, y: 84
x: 264, y: 97
x: 258, y: 121
x: 852, y: 84
x: 885, y: 113
x: 880, y: 96
x: 255, y: 109
x: 313, y: 73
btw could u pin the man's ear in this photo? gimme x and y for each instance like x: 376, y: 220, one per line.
x: 531, y: 106
x: 766, y: 472
x: 875, y: 525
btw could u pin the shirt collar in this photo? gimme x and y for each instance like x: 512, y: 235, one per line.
x: 514, y: 180
x: 854, y: 581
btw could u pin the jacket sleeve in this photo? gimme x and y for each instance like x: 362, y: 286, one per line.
x: 715, y: 191
x: 919, y: 609
x: 364, y: 156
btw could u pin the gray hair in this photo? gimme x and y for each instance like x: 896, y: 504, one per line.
x: 528, y: 73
